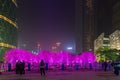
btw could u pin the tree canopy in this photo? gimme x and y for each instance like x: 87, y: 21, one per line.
x: 108, y: 53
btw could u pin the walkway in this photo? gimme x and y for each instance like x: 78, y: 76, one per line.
x: 62, y: 75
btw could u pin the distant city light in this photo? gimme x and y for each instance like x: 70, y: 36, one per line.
x: 69, y: 48
x: 58, y: 43
x: 34, y: 52
x: 54, y: 47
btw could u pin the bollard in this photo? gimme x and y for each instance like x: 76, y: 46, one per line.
x: 103, y: 67
x: 46, y: 66
x: 9, y: 67
x: 96, y: 66
x: 29, y: 67
x: 77, y: 66
x: 62, y: 66
x: 90, y: 66
x: 71, y: 66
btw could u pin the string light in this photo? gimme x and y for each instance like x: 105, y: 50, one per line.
x: 8, y: 20
x: 7, y: 45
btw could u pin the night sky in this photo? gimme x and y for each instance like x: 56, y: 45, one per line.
x: 46, y: 22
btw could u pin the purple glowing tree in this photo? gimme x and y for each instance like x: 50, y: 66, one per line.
x: 67, y: 58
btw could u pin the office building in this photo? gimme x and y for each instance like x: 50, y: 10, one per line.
x: 115, y: 40
x: 101, y: 41
x: 84, y: 25
x: 8, y: 26
x: 116, y: 15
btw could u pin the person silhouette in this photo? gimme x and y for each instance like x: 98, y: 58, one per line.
x: 105, y: 66
x: 42, y: 67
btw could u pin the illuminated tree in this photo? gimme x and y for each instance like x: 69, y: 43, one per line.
x: 108, y: 53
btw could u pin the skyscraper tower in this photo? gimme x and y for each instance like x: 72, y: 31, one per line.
x: 89, y: 28
x: 103, y: 16
x: 84, y: 25
x: 8, y: 26
x: 116, y: 15
x: 78, y: 25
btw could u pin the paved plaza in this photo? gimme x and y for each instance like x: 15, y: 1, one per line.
x: 62, y: 75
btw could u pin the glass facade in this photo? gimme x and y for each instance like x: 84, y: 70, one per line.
x: 101, y: 41
x: 115, y: 40
x: 8, y: 26
x: 116, y: 15
x: 84, y: 17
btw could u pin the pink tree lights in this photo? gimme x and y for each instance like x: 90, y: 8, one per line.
x: 13, y: 55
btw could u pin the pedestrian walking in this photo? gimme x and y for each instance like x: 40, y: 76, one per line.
x: 116, y: 69
x: 105, y: 66
x: 23, y: 67
x: 42, y: 67
x: 1, y: 67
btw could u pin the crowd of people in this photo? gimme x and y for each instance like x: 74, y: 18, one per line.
x: 1, y: 67
x: 115, y: 66
x: 20, y: 67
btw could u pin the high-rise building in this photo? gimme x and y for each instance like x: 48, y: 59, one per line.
x: 115, y: 36
x: 101, y: 41
x: 8, y: 26
x: 78, y: 25
x: 116, y: 15
x: 110, y: 41
x: 89, y: 29
x: 84, y: 25
x: 115, y: 40
x: 103, y: 16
